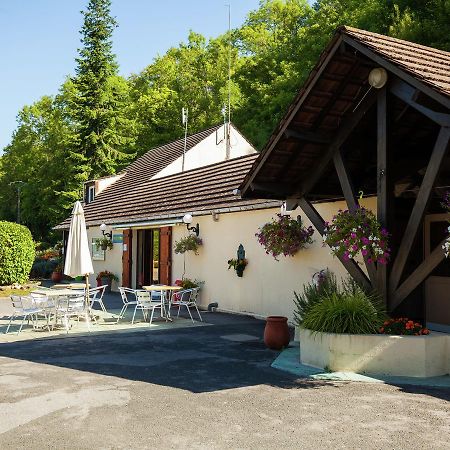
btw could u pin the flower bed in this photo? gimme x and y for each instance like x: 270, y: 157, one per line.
x: 377, y: 354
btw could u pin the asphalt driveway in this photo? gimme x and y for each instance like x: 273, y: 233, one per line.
x: 202, y: 387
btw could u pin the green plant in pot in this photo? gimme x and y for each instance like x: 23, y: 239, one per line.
x: 330, y: 307
x: 189, y: 243
x: 238, y: 265
x: 57, y: 274
x: 104, y: 243
x: 105, y: 278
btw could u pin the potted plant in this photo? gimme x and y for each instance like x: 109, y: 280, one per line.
x: 284, y: 236
x: 190, y: 243
x: 351, y: 232
x: 104, y: 243
x: 105, y: 278
x: 57, y: 274
x: 238, y: 265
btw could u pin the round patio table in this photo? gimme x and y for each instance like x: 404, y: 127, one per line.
x: 166, y: 296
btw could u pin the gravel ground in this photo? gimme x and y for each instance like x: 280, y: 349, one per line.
x: 196, y: 388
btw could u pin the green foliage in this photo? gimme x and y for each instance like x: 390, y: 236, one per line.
x: 107, y: 274
x: 16, y: 253
x: 190, y: 243
x: 340, y: 309
x: 99, y: 106
x: 312, y: 294
x: 99, y: 121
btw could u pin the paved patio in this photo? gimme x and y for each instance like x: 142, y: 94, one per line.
x: 202, y: 387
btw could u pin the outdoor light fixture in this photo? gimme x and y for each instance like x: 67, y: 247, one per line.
x: 378, y: 77
x: 187, y: 219
x: 103, y: 228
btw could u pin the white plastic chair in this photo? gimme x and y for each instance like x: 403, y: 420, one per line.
x: 23, y: 307
x: 125, y: 293
x: 188, y: 298
x: 96, y: 296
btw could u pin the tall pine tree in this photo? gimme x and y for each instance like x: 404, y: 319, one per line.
x: 103, y: 132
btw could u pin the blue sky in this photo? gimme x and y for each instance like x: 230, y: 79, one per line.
x: 39, y: 41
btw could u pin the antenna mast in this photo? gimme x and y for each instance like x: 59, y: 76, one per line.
x: 227, y: 127
x: 184, y: 120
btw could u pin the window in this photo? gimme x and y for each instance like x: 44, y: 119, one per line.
x: 91, y: 194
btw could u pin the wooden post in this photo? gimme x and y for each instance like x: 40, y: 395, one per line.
x: 382, y: 184
x: 351, y: 266
x: 352, y: 204
x: 415, y: 219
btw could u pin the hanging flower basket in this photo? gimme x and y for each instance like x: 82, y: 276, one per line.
x: 104, y: 243
x: 284, y: 236
x: 352, y: 232
x: 189, y: 243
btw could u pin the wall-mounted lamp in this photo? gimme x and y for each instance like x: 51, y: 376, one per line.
x: 103, y: 228
x: 187, y: 219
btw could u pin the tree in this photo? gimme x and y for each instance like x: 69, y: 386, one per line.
x: 103, y: 132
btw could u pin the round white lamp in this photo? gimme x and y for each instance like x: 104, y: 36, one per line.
x: 187, y: 219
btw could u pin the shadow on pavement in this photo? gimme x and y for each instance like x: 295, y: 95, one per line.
x: 229, y: 354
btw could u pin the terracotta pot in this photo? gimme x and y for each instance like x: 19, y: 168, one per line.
x: 276, y: 333
x: 57, y: 277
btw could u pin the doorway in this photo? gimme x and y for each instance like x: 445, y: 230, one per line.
x: 437, y: 286
x: 147, y: 257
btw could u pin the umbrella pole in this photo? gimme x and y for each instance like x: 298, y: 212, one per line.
x: 88, y: 306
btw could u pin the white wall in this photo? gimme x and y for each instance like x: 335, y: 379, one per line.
x: 209, y: 151
x: 267, y: 285
x: 113, y: 258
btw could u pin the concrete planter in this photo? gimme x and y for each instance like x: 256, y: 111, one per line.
x: 414, y: 356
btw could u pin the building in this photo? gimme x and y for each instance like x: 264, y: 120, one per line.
x: 343, y: 137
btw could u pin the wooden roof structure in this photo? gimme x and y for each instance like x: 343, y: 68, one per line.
x: 342, y: 136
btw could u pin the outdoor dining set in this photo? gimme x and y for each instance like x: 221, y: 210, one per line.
x: 52, y: 308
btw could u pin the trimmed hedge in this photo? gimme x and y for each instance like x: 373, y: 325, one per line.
x: 17, y: 253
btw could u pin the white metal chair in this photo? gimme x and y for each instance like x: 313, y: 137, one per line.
x: 46, y: 304
x: 23, y: 307
x: 96, y: 296
x: 125, y: 293
x: 143, y: 303
x: 188, y: 298
x: 69, y: 307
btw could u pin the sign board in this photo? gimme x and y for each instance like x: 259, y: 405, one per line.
x: 117, y: 238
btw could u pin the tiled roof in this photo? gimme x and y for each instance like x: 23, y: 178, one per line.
x: 198, y: 191
x: 430, y: 65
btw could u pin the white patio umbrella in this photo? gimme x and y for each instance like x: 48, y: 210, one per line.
x: 78, y: 257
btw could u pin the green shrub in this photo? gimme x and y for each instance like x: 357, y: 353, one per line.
x: 313, y: 293
x: 332, y: 308
x: 345, y: 312
x: 16, y: 253
x: 43, y: 268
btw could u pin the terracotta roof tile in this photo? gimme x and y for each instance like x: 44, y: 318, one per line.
x: 430, y: 65
x: 199, y: 191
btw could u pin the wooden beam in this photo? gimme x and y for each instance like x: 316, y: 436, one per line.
x: 342, y: 135
x: 415, y: 219
x: 418, y: 276
x: 408, y: 94
x: 272, y: 188
x: 317, y: 138
x: 391, y: 67
x: 351, y: 266
x: 382, y: 186
x: 352, y: 203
